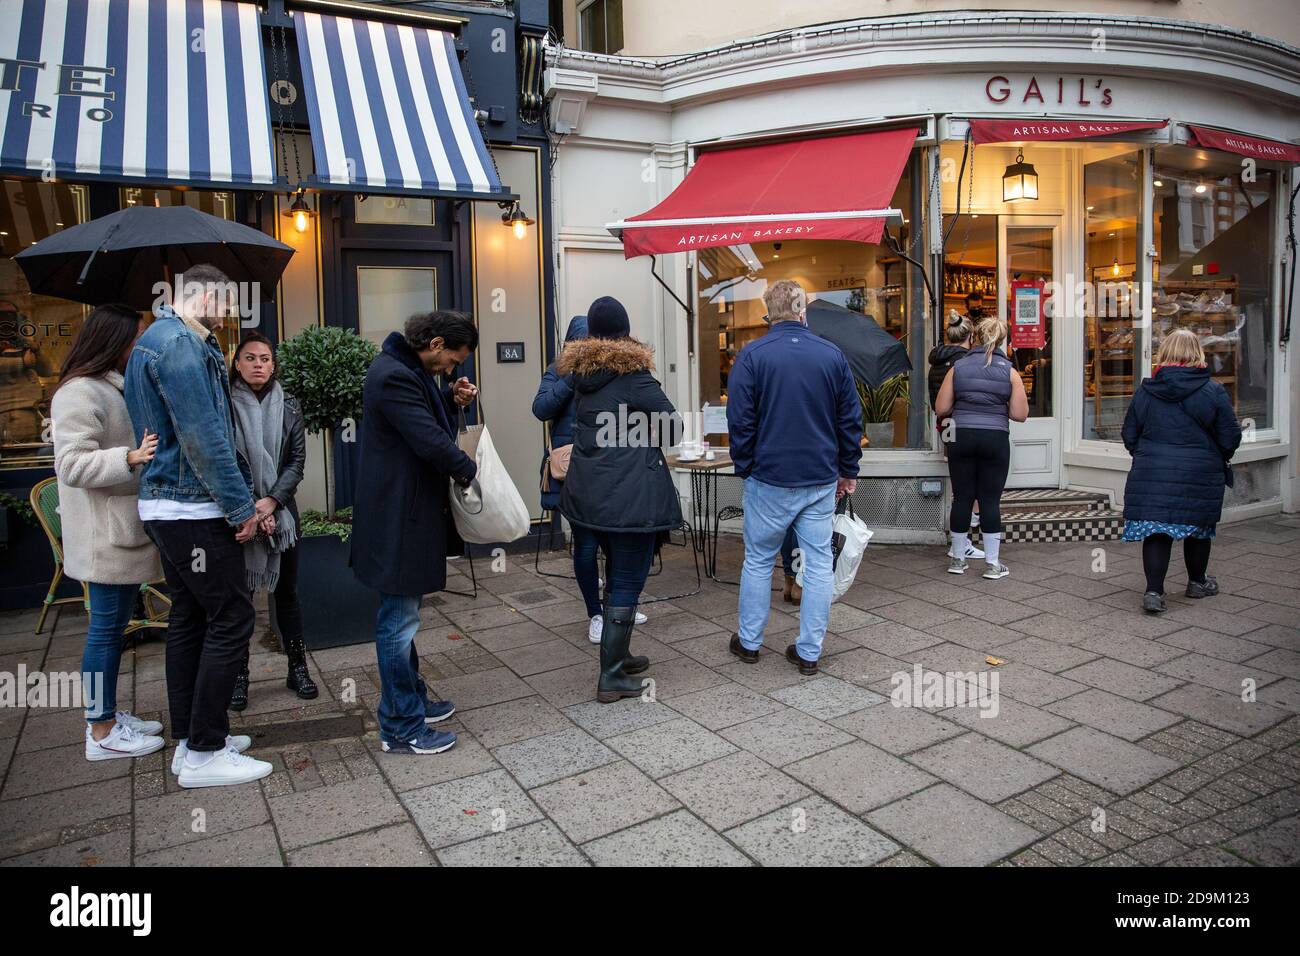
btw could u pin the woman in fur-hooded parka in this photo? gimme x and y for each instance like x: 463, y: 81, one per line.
x: 618, y: 479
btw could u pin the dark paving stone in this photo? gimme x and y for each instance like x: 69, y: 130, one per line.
x: 1099, y: 758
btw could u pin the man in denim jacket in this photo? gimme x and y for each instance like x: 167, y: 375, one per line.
x: 196, y: 502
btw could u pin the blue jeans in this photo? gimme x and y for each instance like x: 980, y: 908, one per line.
x: 403, y: 693
x: 628, y: 556
x: 585, y: 544
x: 769, y: 511
x: 110, y: 611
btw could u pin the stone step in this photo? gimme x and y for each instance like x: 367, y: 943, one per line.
x: 1083, y: 524
x: 1040, y: 500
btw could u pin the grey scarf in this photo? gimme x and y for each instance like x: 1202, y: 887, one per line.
x: 259, y: 437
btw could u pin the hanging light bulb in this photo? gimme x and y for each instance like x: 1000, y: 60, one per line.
x: 300, y: 212
x: 1200, y: 186
x: 1114, y: 269
x: 514, y: 218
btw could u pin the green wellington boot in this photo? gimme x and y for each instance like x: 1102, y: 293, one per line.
x: 614, y: 683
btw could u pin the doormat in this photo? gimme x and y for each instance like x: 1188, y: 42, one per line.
x: 306, y: 731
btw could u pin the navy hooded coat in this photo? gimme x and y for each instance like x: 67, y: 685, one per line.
x: 1181, y: 431
x: 555, y: 403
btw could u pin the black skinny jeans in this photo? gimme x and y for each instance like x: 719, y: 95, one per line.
x: 1157, y: 549
x: 978, y: 465
x: 288, y: 610
x: 210, y: 625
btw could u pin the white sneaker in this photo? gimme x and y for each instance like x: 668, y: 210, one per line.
x: 640, y: 618
x: 240, y: 743
x: 121, y: 741
x: 228, y: 768
x: 147, y: 727
x: 972, y: 553
x: 996, y: 571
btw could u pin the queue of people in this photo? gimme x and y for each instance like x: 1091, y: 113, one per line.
x: 169, y: 463
x: 157, y: 454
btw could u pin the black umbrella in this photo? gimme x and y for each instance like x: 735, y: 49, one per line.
x: 120, y: 257
x: 873, y: 354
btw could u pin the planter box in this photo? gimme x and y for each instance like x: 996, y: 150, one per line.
x: 337, y: 609
x: 879, y: 434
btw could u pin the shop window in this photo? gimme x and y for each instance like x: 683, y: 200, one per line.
x: 600, y: 26
x: 36, y: 331
x: 394, y: 210
x: 1114, y: 332
x: 866, y: 279
x: 387, y: 295
x: 1213, y: 238
x: 214, y: 203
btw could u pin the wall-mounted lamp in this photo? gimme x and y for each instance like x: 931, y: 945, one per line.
x: 1020, y: 181
x: 300, y: 211
x: 514, y: 218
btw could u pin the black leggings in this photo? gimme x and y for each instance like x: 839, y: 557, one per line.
x: 1156, y: 551
x: 978, y: 464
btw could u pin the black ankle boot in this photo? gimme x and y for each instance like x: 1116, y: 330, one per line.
x: 299, y: 681
x: 614, y: 683
x: 239, y: 696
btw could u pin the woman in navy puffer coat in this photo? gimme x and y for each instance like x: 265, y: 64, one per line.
x: 1181, y: 431
x: 555, y: 402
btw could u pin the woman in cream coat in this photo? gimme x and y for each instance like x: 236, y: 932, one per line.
x: 104, y: 543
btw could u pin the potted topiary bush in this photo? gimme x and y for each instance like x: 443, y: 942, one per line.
x: 324, y: 367
x: 878, y: 409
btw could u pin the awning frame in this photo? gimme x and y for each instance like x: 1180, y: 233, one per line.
x: 889, y: 215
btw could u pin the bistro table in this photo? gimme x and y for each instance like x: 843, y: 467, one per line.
x: 704, y: 505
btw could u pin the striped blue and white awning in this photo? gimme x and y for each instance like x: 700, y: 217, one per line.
x: 389, y: 111
x: 164, y: 91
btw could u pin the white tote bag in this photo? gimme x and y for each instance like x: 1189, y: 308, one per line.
x: 849, y: 539
x: 490, y: 510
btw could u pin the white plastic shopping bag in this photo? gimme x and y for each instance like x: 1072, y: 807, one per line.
x: 849, y: 539
x: 490, y: 510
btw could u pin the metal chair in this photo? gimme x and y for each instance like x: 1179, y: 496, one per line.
x: 687, y: 533
x: 45, y: 502
x: 550, y: 546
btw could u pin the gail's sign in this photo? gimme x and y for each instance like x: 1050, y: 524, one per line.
x: 1049, y: 90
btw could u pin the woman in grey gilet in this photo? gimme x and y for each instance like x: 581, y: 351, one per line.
x: 981, y: 393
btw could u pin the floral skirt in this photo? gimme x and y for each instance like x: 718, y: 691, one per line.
x: 1138, y: 530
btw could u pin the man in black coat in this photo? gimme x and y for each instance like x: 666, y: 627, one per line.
x: 402, y: 528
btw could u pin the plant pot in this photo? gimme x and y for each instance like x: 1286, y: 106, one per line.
x: 880, y: 434
x: 337, y: 609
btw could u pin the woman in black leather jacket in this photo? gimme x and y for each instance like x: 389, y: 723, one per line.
x: 272, y: 557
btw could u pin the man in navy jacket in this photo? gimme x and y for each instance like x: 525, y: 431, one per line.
x: 795, y: 429
x: 402, y: 528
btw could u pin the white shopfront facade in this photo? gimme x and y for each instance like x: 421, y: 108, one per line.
x: 1176, y: 234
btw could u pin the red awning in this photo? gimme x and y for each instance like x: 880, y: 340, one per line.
x: 833, y: 187
x: 1242, y: 145
x: 1041, y: 130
